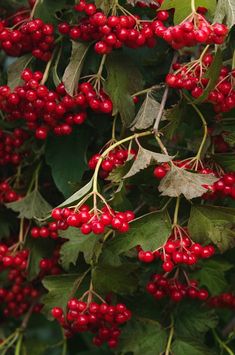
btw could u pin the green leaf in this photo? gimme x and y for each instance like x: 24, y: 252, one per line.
x: 212, y: 275
x: 203, y: 320
x: 118, y: 279
x: 60, y: 289
x: 31, y: 206
x: 77, y: 195
x: 213, y: 223
x: 146, y: 114
x: 183, y: 7
x: 117, y: 174
x: 104, y: 5
x: 189, y: 346
x: 225, y: 10
x: 143, y: 337
x: 124, y: 79
x: 212, y: 74
x: 66, y: 157
x: 77, y: 243
x: 15, y: 69
x: 39, y: 249
x: 227, y: 161
x: 180, y: 181
x: 73, y: 70
x: 144, y: 158
x: 46, y: 9
x: 150, y: 231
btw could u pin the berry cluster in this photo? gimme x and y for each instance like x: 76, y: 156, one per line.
x: 11, y: 146
x: 224, y: 300
x: 88, y: 221
x: 161, y: 286
x: 179, y: 249
x: 18, y: 294
x: 115, y: 158
x: 109, y: 32
x: 194, y: 30
x: 33, y: 36
x: 50, y: 266
x: 191, y: 78
x: 101, y: 319
x: 46, y: 231
x: 7, y: 194
x: 45, y: 109
x: 225, y: 186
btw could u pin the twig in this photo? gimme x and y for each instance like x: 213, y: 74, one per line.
x: 164, y: 98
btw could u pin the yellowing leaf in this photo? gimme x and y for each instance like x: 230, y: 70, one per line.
x: 146, y: 114
x: 179, y: 181
x: 144, y: 158
x: 225, y: 10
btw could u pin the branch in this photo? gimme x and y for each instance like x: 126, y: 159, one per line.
x: 164, y: 98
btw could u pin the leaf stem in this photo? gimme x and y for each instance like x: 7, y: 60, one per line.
x: 169, y: 341
x: 176, y: 213
x: 108, y: 150
x: 222, y: 344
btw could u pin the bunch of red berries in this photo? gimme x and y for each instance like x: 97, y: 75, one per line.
x: 161, y: 286
x: 50, y: 266
x: 18, y: 294
x: 179, y: 249
x: 192, y: 31
x: 45, y: 109
x: 191, y: 78
x: 115, y: 158
x: 102, y: 319
x: 33, y: 36
x: 90, y: 221
x: 109, y: 32
x: 224, y: 300
x: 225, y: 186
x: 46, y: 231
x: 11, y: 146
x: 7, y: 194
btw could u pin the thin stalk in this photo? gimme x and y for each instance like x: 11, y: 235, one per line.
x: 176, y: 213
x: 205, y: 131
x: 169, y: 341
x: 222, y: 344
x: 108, y: 150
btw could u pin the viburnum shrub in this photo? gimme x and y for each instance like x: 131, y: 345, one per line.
x: 117, y: 177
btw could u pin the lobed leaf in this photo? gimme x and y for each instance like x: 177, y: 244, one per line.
x: 146, y: 114
x: 212, y: 275
x: 77, y: 243
x: 150, y: 231
x: 31, y: 206
x: 118, y: 279
x: 144, y: 158
x: 180, y: 181
x: 60, y: 289
x: 213, y: 223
